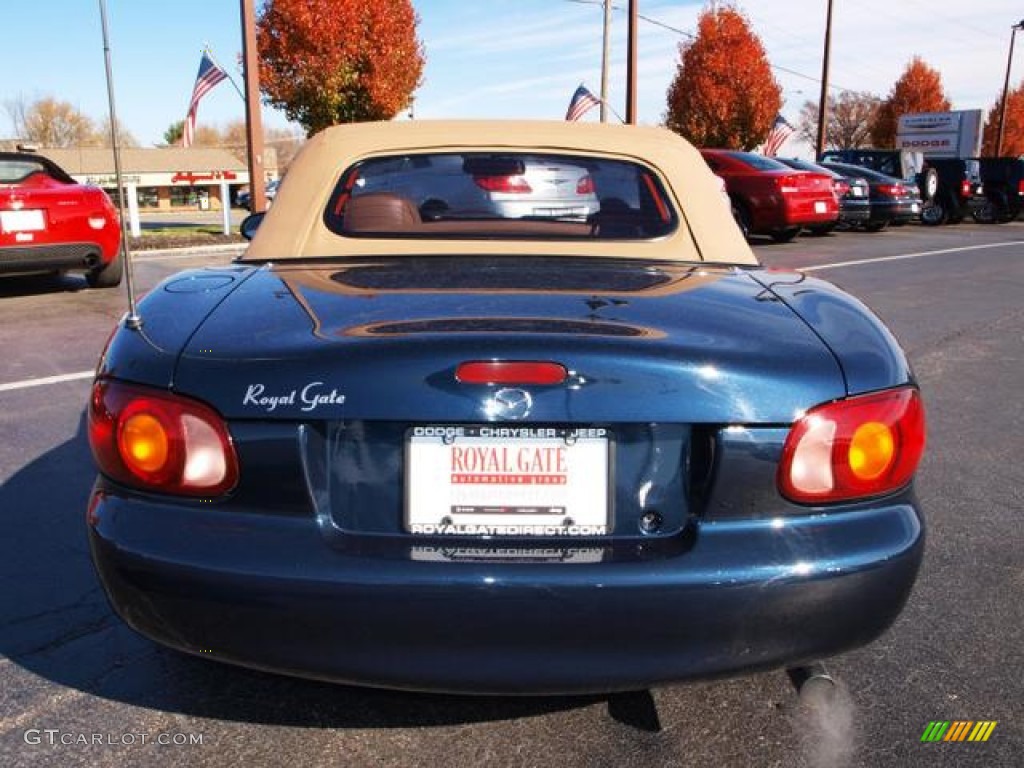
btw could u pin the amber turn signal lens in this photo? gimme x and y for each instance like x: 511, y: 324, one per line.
x: 872, y: 450
x: 144, y: 443
x: 863, y: 446
x: 149, y: 438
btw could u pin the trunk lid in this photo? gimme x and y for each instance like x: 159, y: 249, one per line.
x: 643, y: 342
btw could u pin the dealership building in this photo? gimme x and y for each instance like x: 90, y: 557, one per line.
x: 164, y: 178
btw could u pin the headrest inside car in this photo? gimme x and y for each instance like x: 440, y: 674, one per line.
x: 380, y: 212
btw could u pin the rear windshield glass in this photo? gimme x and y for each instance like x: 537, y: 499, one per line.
x: 500, y: 195
x: 760, y: 162
x: 12, y: 171
x: 863, y: 173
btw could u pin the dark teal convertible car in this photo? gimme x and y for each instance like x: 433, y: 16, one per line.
x: 576, y: 442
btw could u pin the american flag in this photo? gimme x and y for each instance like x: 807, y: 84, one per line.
x: 581, y: 101
x: 209, y: 75
x: 781, y: 130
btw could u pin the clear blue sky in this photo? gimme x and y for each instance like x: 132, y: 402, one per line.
x: 498, y: 58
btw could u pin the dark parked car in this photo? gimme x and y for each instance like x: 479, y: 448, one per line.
x: 505, y: 454
x: 1002, y: 180
x: 852, y: 192
x: 960, y: 192
x: 892, y: 201
x: 771, y: 198
x: 910, y: 166
x: 50, y: 222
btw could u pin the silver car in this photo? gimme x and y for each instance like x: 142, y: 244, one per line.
x: 483, y: 185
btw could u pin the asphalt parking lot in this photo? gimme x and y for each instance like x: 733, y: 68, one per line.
x: 79, y: 688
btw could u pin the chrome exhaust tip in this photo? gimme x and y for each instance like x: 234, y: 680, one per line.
x: 812, y: 681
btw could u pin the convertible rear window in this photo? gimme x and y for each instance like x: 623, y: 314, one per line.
x: 15, y: 167
x: 13, y: 171
x: 481, y: 195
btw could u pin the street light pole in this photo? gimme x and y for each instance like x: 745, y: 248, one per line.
x: 253, y: 118
x: 823, y: 103
x: 1006, y: 89
x: 605, y: 51
x: 631, y: 64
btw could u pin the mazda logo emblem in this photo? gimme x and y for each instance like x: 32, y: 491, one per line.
x: 509, y: 404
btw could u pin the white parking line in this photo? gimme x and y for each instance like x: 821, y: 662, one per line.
x: 46, y: 380
x: 903, y: 256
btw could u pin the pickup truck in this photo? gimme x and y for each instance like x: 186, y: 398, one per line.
x: 1003, y: 182
x: 960, y: 191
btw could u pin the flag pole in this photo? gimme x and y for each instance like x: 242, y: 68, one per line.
x: 605, y: 56
x: 132, y: 320
x: 612, y: 110
x: 209, y: 52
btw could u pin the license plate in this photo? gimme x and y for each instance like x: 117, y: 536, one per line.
x: 857, y: 192
x: 561, y: 213
x: 820, y: 206
x: 507, y: 481
x: 915, y: 207
x: 21, y: 221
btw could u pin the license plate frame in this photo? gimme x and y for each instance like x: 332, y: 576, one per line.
x: 498, y: 481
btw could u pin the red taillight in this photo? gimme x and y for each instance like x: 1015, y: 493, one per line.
x: 841, y: 187
x: 965, y: 188
x: 892, y: 190
x: 510, y: 372
x: 585, y: 186
x: 151, y: 439
x: 788, y: 183
x: 509, y: 184
x: 856, y: 448
x: 1020, y: 187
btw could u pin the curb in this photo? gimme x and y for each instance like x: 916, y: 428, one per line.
x: 191, y: 250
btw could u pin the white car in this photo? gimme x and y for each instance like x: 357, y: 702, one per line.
x: 270, y: 192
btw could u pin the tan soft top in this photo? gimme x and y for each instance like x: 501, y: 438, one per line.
x: 294, y: 226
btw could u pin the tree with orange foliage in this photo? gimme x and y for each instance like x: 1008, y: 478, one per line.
x: 339, y: 61
x: 919, y: 89
x: 724, y: 93
x: 1013, y: 126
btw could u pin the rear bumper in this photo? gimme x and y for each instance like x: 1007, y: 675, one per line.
x: 854, y: 211
x: 895, y: 210
x: 804, y: 213
x: 967, y: 206
x: 53, y: 256
x: 284, y: 595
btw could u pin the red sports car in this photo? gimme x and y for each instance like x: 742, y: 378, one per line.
x: 772, y: 199
x: 50, y: 222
